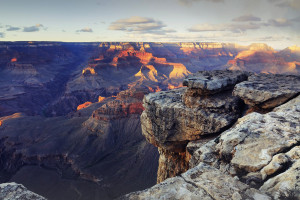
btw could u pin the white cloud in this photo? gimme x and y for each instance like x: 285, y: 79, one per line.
x: 85, y: 30
x: 280, y: 22
x: 35, y: 28
x: 12, y: 28
x: 293, y: 4
x: 246, y: 18
x: 140, y: 25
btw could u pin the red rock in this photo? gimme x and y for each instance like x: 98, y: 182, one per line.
x: 84, y: 105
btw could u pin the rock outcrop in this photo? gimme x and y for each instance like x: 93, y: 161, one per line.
x: 14, y: 191
x: 173, y: 118
x: 268, y: 90
x: 256, y: 158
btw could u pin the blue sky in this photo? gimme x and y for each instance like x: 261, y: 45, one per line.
x: 275, y: 22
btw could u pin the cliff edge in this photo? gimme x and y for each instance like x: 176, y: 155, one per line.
x: 227, y: 135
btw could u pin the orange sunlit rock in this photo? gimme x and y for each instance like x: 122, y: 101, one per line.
x: 160, y: 60
x: 171, y: 87
x: 147, y: 71
x: 13, y: 116
x: 151, y: 89
x: 179, y: 71
x: 157, y: 89
x: 101, y: 57
x: 144, y: 57
x: 13, y: 60
x: 84, y: 105
x: 88, y: 70
x: 101, y: 98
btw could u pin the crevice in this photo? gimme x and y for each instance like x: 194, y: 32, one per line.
x: 284, y: 168
x: 196, y: 186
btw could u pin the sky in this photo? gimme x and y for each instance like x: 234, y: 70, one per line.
x: 275, y: 22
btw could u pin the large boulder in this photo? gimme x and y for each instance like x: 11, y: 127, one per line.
x: 268, y: 90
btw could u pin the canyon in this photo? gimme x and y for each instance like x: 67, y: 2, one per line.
x: 70, y: 112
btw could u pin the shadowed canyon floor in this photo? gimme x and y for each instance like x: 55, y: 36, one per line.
x: 70, y: 112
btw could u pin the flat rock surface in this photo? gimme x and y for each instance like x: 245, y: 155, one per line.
x: 256, y: 138
x: 261, y: 149
x: 201, y: 182
x: 268, y: 90
x: 14, y: 191
x: 211, y: 82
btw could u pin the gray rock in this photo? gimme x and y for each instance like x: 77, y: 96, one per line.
x: 285, y: 185
x: 201, y: 182
x: 168, y: 123
x: 211, y: 82
x: 14, y: 191
x: 256, y: 138
x: 268, y: 90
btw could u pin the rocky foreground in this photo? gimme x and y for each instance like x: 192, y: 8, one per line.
x: 227, y: 135
x: 14, y: 191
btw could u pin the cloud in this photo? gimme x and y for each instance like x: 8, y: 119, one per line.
x: 189, y: 2
x: 272, y: 38
x: 294, y: 4
x: 85, y: 30
x: 235, y: 28
x: 12, y: 28
x: 281, y: 22
x: 296, y: 19
x: 1, y: 35
x: 246, y: 18
x: 140, y: 25
x: 35, y: 28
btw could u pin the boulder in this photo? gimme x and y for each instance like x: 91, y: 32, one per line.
x: 168, y: 123
x: 268, y: 90
x: 212, y: 82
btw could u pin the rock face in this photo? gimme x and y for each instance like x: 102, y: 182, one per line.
x: 14, y: 191
x: 268, y: 90
x: 257, y: 158
x: 173, y: 118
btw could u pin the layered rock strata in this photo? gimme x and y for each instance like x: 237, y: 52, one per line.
x: 173, y: 118
x: 257, y: 158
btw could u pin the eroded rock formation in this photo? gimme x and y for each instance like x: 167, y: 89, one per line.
x: 257, y: 158
x: 173, y: 118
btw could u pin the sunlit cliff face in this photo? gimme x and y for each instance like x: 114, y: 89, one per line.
x: 88, y: 70
x: 171, y: 87
x: 84, y: 105
x: 13, y: 116
x: 100, y: 99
